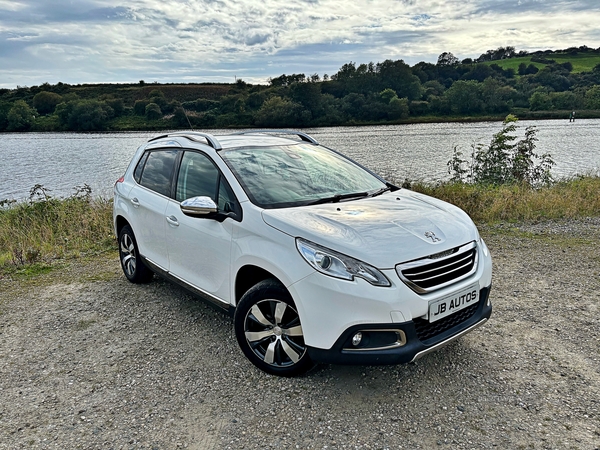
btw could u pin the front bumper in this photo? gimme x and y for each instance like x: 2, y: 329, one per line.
x: 398, y: 343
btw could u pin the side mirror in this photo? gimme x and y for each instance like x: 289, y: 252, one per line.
x: 198, y: 206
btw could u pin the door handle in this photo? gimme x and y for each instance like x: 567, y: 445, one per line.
x: 173, y: 221
x: 134, y: 201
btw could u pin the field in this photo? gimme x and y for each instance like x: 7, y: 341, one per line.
x: 583, y: 62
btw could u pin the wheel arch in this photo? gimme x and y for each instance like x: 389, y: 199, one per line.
x: 120, y: 222
x: 248, y: 276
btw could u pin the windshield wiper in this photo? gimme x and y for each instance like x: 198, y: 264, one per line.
x: 381, y: 191
x: 389, y: 187
x: 338, y: 197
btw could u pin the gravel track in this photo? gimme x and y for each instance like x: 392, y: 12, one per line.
x: 88, y: 360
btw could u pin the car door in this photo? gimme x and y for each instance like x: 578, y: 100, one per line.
x: 200, y: 247
x: 149, y: 198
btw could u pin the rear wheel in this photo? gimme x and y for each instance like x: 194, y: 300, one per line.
x: 268, y: 330
x: 133, y: 267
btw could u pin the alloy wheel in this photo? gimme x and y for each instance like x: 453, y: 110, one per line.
x: 273, y: 332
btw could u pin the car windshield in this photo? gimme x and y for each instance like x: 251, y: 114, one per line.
x: 299, y: 174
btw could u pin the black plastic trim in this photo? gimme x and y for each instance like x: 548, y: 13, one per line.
x: 400, y: 355
x: 209, y: 299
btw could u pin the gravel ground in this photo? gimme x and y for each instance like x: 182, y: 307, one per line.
x: 88, y: 360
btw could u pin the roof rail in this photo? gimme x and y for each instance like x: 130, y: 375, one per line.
x: 305, y: 137
x: 210, y: 139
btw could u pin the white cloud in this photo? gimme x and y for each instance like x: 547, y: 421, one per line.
x: 215, y: 40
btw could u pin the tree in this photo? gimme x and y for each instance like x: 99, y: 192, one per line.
x: 280, y: 112
x: 4, y: 110
x: 180, y: 118
x: 398, y: 76
x: 20, y: 117
x: 387, y: 95
x: 464, y: 97
x: 479, y: 73
x: 153, y: 111
x: 540, y: 101
x: 447, y: 59
x: 84, y: 115
x: 45, y: 102
x: 495, y: 95
x: 308, y: 95
x: 566, y: 100
x: 398, y: 108
x: 592, y: 97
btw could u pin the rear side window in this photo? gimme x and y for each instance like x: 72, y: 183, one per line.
x: 157, y: 173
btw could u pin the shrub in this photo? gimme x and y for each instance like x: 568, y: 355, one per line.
x: 504, y: 161
x: 45, y: 102
x: 20, y: 117
x: 153, y: 111
x: 84, y: 115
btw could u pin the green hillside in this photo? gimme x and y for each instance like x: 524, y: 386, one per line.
x: 582, y: 62
x: 541, y: 84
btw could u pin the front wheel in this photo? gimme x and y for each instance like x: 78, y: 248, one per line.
x: 269, y: 332
x: 133, y: 267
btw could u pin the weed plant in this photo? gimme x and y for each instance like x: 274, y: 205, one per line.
x: 46, y: 228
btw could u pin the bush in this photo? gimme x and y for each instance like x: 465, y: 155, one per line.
x: 153, y: 111
x: 504, y: 161
x: 139, y: 107
x: 20, y: 117
x: 45, y: 102
x: 84, y: 115
x: 280, y: 112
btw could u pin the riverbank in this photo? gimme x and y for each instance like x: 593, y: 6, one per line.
x: 140, y: 124
x: 88, y: 359
x: 39, y: 235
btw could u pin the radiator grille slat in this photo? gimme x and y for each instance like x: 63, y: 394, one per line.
x: 433, y: 272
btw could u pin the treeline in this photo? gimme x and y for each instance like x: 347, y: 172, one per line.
x: 385, y: 92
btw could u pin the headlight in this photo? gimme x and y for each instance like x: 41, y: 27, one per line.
x: 339, y: 266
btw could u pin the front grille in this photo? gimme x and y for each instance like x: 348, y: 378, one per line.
x: 439, y: 270
x: 426, y: 330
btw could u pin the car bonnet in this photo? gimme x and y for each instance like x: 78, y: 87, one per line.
x: 383, y: 231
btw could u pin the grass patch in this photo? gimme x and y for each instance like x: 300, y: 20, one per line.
x: 39, y: 237
x: 583, y: 62
x: 36, y: 233
x: 578, y: 197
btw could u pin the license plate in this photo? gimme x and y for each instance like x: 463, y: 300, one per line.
x: 452, y: 303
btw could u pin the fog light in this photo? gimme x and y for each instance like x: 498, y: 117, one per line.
x: 356, y: 338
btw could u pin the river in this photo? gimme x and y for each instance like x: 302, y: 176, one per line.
x: 62, y: 161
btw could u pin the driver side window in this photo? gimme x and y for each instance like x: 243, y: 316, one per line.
x: 198, y: 176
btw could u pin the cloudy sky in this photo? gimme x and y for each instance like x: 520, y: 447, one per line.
x: 90, y: 41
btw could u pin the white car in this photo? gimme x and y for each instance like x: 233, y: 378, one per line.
x: 317, y: 259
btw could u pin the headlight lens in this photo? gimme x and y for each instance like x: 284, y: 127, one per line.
x: 337, y: 265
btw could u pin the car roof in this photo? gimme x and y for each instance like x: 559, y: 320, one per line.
x: 251, y: 138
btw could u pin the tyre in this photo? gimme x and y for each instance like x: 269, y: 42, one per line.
x: 268, y: 330
x: 133, y: 267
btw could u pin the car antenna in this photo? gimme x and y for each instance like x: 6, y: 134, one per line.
x: 188, y: 119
